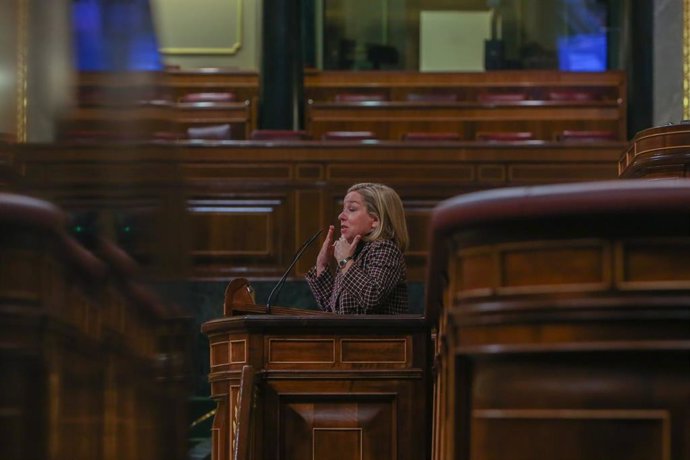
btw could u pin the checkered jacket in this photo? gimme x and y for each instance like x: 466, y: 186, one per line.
x: 374, y: 284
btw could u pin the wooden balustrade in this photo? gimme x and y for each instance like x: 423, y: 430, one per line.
x: 391, y: 104
x: 140, y: 106
x: 563, y: 322
x: 243, y: 208
x: 84, y: 376
x: 657, y: 152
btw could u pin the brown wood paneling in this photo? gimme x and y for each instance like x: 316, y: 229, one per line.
x: 326, y: 381
x: 657, y: 152
x: 307, y: 351
x: 467, y: 109
x: 654, y: 262
x: 348, y: 429
x: 310, y: 218
x: 191, y: 204
x: 373, y: 351
x: 580, y: 340
x: 82, y: 341
x: 629, y: 434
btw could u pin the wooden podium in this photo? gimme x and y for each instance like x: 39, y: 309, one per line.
x: 301, y: 384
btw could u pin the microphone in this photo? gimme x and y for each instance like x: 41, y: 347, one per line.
x: 298, y: 254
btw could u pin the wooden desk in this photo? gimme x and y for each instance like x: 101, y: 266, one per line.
x: 323, y: 86
x: 391, y: 120
x: 244, y: 84
x: 358, y: 386
x: 544, y: 102
x: 564, y: 327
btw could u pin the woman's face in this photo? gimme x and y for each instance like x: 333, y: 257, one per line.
x: 355, y: 220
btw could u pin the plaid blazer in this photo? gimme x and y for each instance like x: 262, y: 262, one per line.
x: 374, y: 284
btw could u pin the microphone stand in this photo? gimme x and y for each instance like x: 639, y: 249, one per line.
x: 279, y: 284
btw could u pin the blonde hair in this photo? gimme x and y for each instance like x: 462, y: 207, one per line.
x: 384, y: 203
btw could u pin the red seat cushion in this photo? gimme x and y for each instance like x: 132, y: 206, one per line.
x: 430, y: 136
x: 432, y: 97
x: 586, y: 136
x: 572, y: 96
x: 349, y: 136
x: 505, y: 136
x: 502, y: 97
x: 209, y: 97
x: 215, y: 132
x: 352, y: 97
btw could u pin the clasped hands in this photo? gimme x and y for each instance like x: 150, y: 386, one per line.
x: 334, y: 250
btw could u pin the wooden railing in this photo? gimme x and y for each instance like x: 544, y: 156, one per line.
x: 163, y: 106
x: 657, y: 152
x: 392, y: 104
x: 231, y: 209
x: 93, y: 364
x: 563, y: 320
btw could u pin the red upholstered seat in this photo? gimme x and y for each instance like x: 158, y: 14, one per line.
x: 352, y: 97
x: 505, y: 136
x: 349, y: 136
x: 431, y: 136
x: 586, y: 136
x: 572, y: 96
x: 209, y: 97
x: 215, y: 132
x: 166, y: 136
x: 502, y: 97
x: 278, y: 135
x: 432, y: 97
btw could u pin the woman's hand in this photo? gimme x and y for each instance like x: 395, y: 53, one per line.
x: 343, y: 249
x: 326, y: 253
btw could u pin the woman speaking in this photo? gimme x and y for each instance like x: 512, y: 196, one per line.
x: 363, y: 272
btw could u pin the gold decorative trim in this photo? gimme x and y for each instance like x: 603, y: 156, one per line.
x: 22, y: 101
x: 686, y: 59
x: 213, y: 51
x: 203, y: 418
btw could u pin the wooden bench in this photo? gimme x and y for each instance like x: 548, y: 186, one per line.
x: 143, y: 106
x: 391, y: 104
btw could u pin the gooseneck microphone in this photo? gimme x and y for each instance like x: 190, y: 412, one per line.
x: 298, y: 254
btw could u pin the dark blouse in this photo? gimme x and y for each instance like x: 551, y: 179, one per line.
x: 374, y: 284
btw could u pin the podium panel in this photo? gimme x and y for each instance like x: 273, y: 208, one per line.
x: 325, y: 386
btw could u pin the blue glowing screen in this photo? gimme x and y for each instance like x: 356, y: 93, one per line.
x: 114, y: 35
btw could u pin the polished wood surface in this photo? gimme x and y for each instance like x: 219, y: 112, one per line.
x: 543, y: 102
x: 392, y: 120
x: 657, y: 152
x: 138, y: 106
x: 391, y: 104
x: 92, y: 363
x: 563, y: 322
x: 399, y: 85
x: 325, y: 386
x: 243, y: 208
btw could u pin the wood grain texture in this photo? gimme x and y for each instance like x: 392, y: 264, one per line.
x: 244, y: 208
x: 564, y: 331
